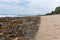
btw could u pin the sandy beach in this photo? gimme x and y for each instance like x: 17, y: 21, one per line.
x: 49, y: 28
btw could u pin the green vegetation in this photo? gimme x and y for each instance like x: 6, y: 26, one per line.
x: 57, y: 11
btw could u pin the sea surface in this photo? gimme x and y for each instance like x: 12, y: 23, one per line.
x: 14, y: 15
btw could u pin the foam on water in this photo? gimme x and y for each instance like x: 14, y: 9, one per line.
x: 16, y: 15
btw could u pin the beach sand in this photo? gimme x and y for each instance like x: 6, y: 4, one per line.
x: 49, y: 28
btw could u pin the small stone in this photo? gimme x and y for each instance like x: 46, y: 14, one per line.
x: 1, y: 33
x: 19, y: 28
x: 16, y: 38
x: 0, y: 24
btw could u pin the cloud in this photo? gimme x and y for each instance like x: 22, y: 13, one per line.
x: 27, y: 7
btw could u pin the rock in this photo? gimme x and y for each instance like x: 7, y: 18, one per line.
x: 18, y: 28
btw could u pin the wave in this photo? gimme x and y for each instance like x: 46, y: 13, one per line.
x: 5, y: 15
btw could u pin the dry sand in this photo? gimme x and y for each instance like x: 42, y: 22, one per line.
x: 49, y: 28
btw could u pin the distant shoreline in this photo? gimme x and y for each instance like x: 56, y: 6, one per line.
x: 16, y: 15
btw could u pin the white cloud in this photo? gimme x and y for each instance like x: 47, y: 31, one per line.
x: 28, y: 6
x: 9, y: 0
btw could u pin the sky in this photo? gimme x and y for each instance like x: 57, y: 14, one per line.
x: 28, y: 7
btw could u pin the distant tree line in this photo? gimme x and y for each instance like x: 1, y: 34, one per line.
x: 57, y: 11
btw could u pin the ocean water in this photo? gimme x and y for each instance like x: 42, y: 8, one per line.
x: 14, y: 15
